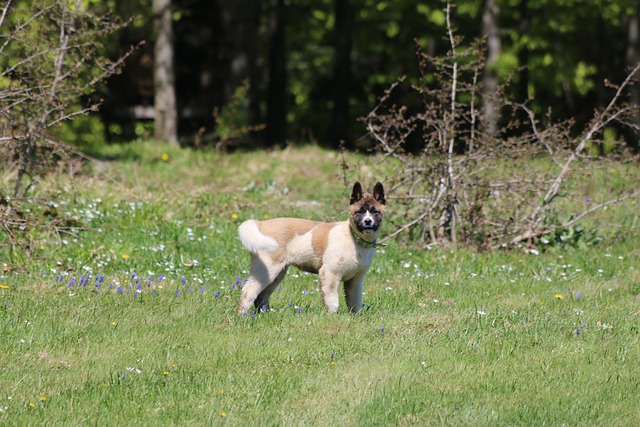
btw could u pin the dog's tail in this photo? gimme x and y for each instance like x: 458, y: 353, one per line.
x: 253, y: 239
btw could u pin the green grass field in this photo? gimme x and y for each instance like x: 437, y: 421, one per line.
x: 131, y: 321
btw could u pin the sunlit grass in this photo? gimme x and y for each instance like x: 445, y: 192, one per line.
x: 131, y: 319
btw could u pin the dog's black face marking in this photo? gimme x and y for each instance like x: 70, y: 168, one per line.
x: 367, y: 217
x: 367, y: 209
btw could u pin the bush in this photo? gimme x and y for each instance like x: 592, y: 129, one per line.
x: 460, y: 182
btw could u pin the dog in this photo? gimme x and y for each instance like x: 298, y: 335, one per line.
x: 336, y: 251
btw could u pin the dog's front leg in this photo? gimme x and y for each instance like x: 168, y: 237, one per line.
x: 329, y: 283
x: 353, y: 293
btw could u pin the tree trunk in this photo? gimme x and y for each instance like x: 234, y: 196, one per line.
x: 165, y: 110
x: 524, y: 27
x: 277, y: 87
x: 342, y: 73
x: 632, y: 57
x: 490, y: 30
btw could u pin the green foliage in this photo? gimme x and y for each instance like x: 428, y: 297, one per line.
x: 565, y: 237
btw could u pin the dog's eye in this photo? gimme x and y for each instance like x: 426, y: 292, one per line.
x: 361, y: 210
x: 373, y: 211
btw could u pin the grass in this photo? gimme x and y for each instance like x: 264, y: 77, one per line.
x: 132, y: 320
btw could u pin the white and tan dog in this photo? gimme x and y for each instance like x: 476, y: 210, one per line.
x: 336, y: 251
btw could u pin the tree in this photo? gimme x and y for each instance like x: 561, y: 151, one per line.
x: 344, y: 21
x: 51, y: 59
x: 165, y: 108
x: 491, y: 31
x: 277, y: 94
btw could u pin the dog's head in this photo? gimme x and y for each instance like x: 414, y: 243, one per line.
x: 366, y: 211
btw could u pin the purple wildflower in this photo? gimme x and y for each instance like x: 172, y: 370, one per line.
x: 184, y: 280
x: 119, y: 289
x: 72, y: 282
x: 201, y: 290
x: 217, y: 294
x: 578, y: 296
x: 177, y: 292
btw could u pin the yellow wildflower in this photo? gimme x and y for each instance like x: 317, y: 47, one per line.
x: 165, y: 157
x: 3, y: 286
x: 559, y: 296
x: 125, y: 256
x: 234, y: 216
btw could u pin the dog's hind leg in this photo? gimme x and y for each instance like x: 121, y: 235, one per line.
x: 263, y: 273
x: 262, y: 301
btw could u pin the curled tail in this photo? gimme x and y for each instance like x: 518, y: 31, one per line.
x: 254, y: 240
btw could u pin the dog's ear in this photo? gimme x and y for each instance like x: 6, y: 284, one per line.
x: 378, y: 193
x: 356, y: 193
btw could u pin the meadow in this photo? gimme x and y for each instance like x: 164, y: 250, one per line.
x: 127, y: 316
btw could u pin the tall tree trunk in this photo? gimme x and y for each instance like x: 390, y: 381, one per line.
x: 490, y: 30
x: 344, y: 17
x: 239, y: 50
x: 632, y: 57
x: 165, y: 110
x: 524, y: 27
x: 276, y: 131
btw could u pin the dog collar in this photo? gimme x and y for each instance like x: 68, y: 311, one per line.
x: 363, y: 242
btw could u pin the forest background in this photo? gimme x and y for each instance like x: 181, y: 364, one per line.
x: 270, y: 72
